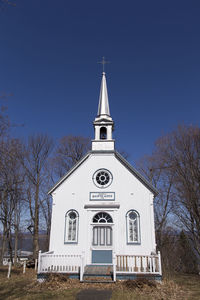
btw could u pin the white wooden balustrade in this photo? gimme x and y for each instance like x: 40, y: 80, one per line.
x: 58, y: 263
x: 147, y: 264
x: 122, y: 264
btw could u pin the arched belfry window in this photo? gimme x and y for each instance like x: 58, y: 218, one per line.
x: 103, y: 133
x: 102, y: 217
x: 71, y: 226
x: 133, y: 227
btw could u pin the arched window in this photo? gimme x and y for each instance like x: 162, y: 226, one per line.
x: 103, y: 133
x: 133, y: 227
x: 71, y: 226
x: 102, y: 217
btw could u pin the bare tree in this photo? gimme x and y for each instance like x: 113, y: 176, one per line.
x: 174, y: 168
x: 69, y: 151
x: 11, y: 180
x: 36, y: 154
x: 153, y: 168
x: 4, y: 122
x: 180, y: 153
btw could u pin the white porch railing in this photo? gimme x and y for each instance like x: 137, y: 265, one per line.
x: 122, y: 264
x: 146, y: 264
x: 61, y: 263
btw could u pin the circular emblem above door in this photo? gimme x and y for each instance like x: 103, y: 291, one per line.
x: 102, y: 178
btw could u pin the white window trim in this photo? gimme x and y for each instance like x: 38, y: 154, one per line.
x: 128, y: 228
x: 66, y: 240
x: 95, y: 180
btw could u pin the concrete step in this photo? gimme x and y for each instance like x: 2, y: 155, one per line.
x: 97, y: 278
x: 96, y: 281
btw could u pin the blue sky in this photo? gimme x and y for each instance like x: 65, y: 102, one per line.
x: 48, y: 60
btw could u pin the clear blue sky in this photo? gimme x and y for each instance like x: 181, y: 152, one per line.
x: 48, y: 59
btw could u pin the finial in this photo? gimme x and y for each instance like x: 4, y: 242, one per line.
x: 103, y: 62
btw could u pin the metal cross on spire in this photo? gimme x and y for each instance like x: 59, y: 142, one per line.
x: 103, y: 62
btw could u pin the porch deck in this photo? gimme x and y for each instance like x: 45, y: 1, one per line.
x: 122, y: 267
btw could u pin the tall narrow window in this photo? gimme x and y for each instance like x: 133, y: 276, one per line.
x: 71, y: 227
x: 133, y: 227
x: 103, y: 133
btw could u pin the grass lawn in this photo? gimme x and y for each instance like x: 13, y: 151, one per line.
x: 25, y: 286
x: 190, y: 283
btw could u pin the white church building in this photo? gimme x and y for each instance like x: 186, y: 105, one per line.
x: 102, y: 214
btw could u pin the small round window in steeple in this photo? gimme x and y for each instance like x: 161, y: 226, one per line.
x: 102, y: 178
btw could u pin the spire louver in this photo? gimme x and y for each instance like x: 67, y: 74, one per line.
x: 103, y: 108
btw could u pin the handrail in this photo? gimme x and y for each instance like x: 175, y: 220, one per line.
x: 150, y: 264
x: 63, y: 263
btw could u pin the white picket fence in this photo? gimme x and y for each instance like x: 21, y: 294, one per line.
x: 58, y: 263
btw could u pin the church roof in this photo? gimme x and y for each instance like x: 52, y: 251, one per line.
x: 103, y: 108
x: 123, y: 161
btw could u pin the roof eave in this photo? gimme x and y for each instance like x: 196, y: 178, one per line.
x: 137, y: 174
x: 59, y: 182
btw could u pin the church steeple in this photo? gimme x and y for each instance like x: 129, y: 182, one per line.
x: 103, y: 123
x: 103, y: 108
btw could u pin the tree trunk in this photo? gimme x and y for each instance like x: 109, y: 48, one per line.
x: 16, y: 235
x: 10, y: 250
x: 36, y: 223
x: 4, y: 239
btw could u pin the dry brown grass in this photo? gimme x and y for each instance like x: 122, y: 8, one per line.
x: 26, y: 287
x: 167, y: 290
x: 129, y: 290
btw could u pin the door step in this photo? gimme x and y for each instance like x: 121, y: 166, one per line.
x: 98, y: 274
x: 97, y: 281
x: 102, y: 270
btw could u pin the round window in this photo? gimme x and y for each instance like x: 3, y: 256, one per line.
x: 102, y: 178
x: 72, y: 215
x: 132, y: 215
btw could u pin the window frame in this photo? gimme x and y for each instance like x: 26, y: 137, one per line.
x: 66, y: 232
x: 106, y: 215
x: 138, y: 241
x: 95, y: 180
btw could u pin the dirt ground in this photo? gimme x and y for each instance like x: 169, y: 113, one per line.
x: 25, y: 286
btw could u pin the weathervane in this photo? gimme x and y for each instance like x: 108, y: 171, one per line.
x: 103, y: 62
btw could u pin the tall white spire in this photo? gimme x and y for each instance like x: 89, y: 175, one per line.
x: 103, y: 108
x: 103, y: 123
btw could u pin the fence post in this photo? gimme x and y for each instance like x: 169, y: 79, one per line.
x: 159, y: 263
x: 114, y: 267
x: 24, y: 267
x: 9, y: 269
x: 36, y: 260
x: 82, y: 266
x: 39, y: 261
